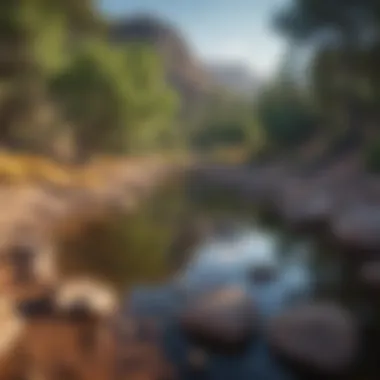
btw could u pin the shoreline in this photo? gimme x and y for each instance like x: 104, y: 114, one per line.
x: 36, y: 215
x: 345, y: 207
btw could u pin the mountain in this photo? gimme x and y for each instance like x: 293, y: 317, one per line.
x: 234, y: 77
x: 183, y: 70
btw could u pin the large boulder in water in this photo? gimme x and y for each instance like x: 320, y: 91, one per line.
x: 319, y: 338
x: 224, y: 318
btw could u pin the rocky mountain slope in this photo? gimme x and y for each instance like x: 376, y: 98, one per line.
x: 183, y: 70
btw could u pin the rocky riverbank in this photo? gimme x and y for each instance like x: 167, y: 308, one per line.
x: 34, y: 215
x: 345, y: 204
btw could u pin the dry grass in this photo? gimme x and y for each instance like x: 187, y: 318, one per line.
x: 16, y: 169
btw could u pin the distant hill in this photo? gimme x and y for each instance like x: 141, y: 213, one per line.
x: 234, y: 77
x: 195, y: 81
x: 183, y: 70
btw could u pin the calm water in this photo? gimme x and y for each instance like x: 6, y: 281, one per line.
x: 133, y: 253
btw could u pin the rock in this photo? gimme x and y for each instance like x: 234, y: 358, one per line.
x: 320, y: 338
x: 358, y: 227
x: 263, y: 274
x: 40, y: 307
x: 223, y: 318
x: 304, y: 203
x: 86, y: 296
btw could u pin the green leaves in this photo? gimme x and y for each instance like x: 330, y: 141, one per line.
x: 286, y: 117
x: 118, y: 96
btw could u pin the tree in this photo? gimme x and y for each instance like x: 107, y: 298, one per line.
x: 346, y: 37
x: 116, y: 96
x: 286, y: 116
x: 34, y: 46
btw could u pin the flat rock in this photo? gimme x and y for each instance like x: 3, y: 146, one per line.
x: 318, y: 337
x: 358, y: 226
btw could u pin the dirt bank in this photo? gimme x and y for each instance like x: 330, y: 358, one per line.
x: 36, y: 213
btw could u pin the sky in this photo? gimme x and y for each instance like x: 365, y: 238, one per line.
x: 227, y: 30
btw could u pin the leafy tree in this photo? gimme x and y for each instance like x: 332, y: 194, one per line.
x: 117, y: 97
x: 286, y: 117
x: 346, y: 36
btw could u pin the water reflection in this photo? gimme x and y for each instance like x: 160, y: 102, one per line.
x: 277, y: 271
x: 228, y: 260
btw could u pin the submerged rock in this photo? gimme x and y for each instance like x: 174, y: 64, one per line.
x: 263, y: 274
x: 224, y: 318
x: 320, y: 338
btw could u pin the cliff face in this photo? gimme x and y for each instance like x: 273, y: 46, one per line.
x: 183, y: 71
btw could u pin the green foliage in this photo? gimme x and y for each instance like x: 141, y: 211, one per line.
x: 344, y: 20
x: 345, y: 76
x: 286, y: 117
x: 117, y: 96
x: 228, y: 122
x: 127, y: 249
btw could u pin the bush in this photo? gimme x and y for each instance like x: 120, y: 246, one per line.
x: 287, y: 116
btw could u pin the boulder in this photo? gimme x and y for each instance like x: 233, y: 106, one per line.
x: 304, y: 203
x: 82, y: 297
x: 358, y: 226
x: 319, y: 338
x: 224, y: 318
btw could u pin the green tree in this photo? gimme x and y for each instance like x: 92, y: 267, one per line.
x: 286, y: 115
x: 35, y: 45
x: 345, y: 77
x: 116, y: 96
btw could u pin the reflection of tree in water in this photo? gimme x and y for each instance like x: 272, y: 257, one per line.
x: 126, y: 249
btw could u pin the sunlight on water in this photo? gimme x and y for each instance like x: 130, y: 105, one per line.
x: 222, y: 261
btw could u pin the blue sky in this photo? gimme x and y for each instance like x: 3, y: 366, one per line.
x: 232, y: 30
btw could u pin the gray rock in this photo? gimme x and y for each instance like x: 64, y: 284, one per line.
x: 224, y: 317
x: 358, y: 226
x: 319, y: 337
x: 263, y: 274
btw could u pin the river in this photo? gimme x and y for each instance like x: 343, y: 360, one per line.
x: 132, y: 252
